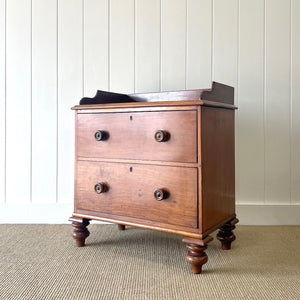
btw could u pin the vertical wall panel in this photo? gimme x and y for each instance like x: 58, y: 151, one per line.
x: 2, y: 100
x: 147, y: 46
x: 122, y: 46
x: 70, y: 84
x: 295, y: 151
x: 199, y: 40
x: 95, y: 46
x: 173, y: 44
x: 18, y: 102
x: 225, y: 41
x: 251, y: 102
x: 44, y: 98
x: 225, y: 57
x: 277, y: 110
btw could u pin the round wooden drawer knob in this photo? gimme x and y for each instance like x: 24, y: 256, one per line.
x: 160, y: 194
x: 101, y: 135
x: 162, y: 135
x: 100, y: 187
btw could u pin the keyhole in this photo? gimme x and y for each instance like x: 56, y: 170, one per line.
x: 130, y: 118
x: 130, y: 169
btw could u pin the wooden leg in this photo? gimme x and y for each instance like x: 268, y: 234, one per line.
x: 196, y: 255
x: 225, y: 234
x: 121, y: 227
x: 80, y: 232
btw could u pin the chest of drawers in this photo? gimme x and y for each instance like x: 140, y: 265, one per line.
x: 163, y: 163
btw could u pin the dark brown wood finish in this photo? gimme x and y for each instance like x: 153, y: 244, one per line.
x: 225, y: 234
x: 131, y: 191
x: 218, y: 93
x: 218, y: 174
x: 121, y: 227
x: 166, y: 164
x: 196, y: 255
x: 151, y: 106
x: 80, y: 232
x: 134, y: 136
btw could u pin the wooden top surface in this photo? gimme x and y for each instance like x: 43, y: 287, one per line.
x: 219, y: 95
x: 154, y: 104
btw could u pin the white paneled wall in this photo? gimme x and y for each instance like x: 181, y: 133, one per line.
x: 250, y: 132
x: 295, y: 102
x: 147, y: 46
x: 52, y: 53
x: 69, y: 87
x: 18, y: 109
x: 2, y: 98
x: 44, y: 101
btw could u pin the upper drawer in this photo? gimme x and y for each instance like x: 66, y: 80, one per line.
x: 133, y: 135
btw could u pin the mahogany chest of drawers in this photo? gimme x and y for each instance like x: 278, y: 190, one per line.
x: 165, y: 162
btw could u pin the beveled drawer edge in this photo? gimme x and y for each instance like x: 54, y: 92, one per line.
x: 141, y: 162
x: 95, y: 110
x: 193, y: 232
x: 144, y: 105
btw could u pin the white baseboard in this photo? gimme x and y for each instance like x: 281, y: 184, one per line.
x: 59, y: 214
x: 35, y: 213
x: 268, y: 214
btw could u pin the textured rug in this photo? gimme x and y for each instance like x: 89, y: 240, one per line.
x: 42, y: 262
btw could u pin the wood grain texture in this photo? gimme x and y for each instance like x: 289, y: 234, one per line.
x: 146, y: 162
x: 131, y: 192
x: 277, y: 112
x: 217, y: 155
x: 121, y: 45
x: 96, y: 48
x: 44, y: 101
x: 147, y: 45
x: 70, y: 87
x: 141, y: 223
x: 131, y: 136
x: 295, y: 103
x: 18, y: 101
x: 250, y: 133
x: 2, y: 98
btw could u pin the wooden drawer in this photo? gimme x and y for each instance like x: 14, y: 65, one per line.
x: 132, y: 136
x: 131, y: 190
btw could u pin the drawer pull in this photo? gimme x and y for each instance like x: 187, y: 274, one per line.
x: 101, y: 135
x: 101, y: 188
x: 160, y: 194
x: 162, y: 136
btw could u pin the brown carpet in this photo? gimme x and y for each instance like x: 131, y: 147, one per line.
x: 42, y: 262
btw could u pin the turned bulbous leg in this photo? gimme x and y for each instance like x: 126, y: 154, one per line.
x: 225, y: 234
x: 121, y: 227
x: 80, y: 232
x: 196, y: 255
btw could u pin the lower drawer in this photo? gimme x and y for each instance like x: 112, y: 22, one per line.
x: 156, y: 193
